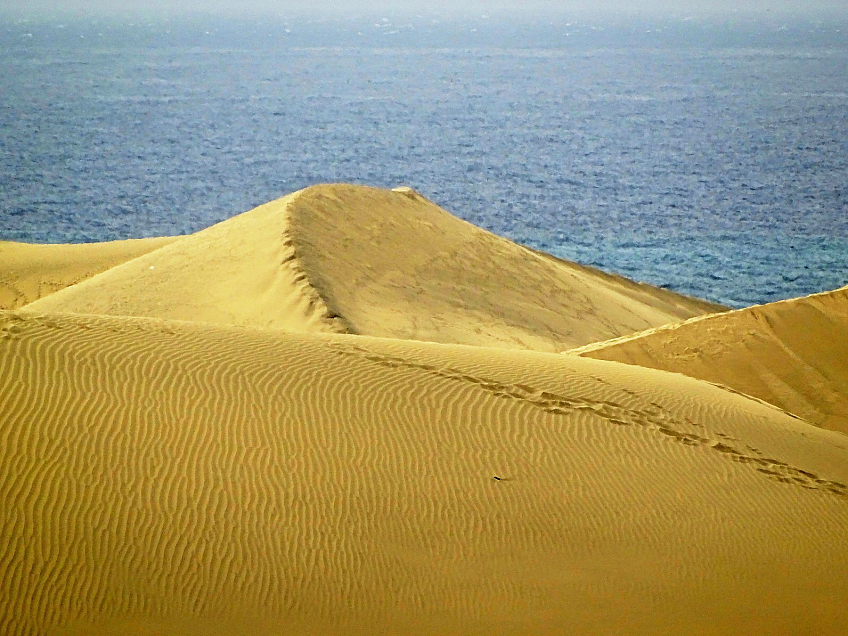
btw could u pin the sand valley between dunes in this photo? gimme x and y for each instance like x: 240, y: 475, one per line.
x: 349, y: 412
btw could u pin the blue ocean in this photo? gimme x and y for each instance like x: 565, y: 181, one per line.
x: 707, y: 157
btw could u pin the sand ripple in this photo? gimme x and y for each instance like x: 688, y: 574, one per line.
x: 176, y: 476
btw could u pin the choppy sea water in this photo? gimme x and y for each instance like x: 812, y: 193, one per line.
x: 718, y: 170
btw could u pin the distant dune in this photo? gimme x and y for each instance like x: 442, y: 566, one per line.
x: 792, y: 353
x: 166, y: 477
x: 354, y: 259
x: 28, y: 272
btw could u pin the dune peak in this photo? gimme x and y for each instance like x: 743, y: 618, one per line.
x: 411, y: 193
x: 390, y: 263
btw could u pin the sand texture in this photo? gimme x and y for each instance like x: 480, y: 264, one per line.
x: 792, y: 353
x: 246, y: 431
x: 354, y: 259
x: 166, y: 477
x: 28, y: 272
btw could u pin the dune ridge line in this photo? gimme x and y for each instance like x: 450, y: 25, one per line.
x: 374, y: 262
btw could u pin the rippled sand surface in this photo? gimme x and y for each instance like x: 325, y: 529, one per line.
x: 326, y: 416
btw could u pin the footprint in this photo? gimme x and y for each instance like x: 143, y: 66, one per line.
x: 652, y: 417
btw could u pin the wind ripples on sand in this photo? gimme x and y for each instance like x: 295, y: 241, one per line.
x: 336, y: 478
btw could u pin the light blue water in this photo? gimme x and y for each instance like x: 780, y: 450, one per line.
x: 713, y: 170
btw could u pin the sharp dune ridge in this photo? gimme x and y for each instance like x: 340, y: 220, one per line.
x: 164, y: 474
x: 343, y: 412
x: 375, y: 262
x: 791, y: 353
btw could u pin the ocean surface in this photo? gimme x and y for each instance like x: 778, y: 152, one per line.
x: 710, y: 159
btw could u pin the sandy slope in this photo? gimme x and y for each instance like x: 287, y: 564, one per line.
x: 28, y: 272
x: 792, y: 353
x: 375, y: 262
x: 243, y: 271
x: 191, y: 478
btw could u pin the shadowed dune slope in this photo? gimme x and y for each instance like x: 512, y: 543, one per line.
x: 375, y: 262
x: 394, y: 264
x: 166, y: 477
x: 29, y: 271
x: 792, y: 353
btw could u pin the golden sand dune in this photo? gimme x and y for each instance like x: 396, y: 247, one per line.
x: 244, y: 271
x: 28, y: 272
x: 792, y: 353
x: 160, y: 476
x: 375, y: 262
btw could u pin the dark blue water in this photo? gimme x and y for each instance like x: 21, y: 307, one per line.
x: 716, y: 170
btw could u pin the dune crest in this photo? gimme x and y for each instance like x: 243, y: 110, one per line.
x: 375, y: 262
x: 792, y: 353
x: 335, y: 484
x: 30, y: 271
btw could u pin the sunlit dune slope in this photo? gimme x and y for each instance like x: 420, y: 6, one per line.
x: 243, y: 271
x: 792, y: 353
x: 187, y: 478
x: 29, y: 271
x: 375, y: 262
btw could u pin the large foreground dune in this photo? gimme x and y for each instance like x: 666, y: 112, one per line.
x: 340, y: 258
x: 166, y: 477
x: 792, y: 353
x: 203, y: 435
x: 29, y: 272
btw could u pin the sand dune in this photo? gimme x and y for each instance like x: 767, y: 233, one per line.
x: 202, y: 436
x: 792, y: 353
x: 244, y: 271
x: 166, y: 477
x: 339, y: 258
x: 28, y: 272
